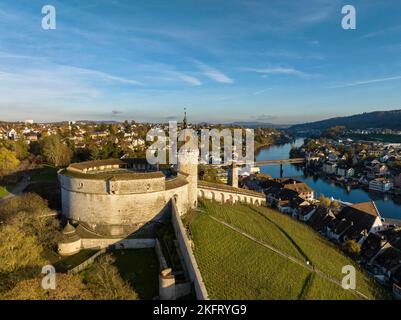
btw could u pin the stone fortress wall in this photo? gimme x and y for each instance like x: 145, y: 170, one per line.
x: 118, y: 202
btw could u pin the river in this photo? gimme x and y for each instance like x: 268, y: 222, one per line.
x: 388, y: 207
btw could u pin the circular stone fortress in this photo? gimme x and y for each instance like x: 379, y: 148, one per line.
x: 116, y: 197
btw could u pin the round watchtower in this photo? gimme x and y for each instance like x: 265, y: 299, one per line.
x: 188, y: 164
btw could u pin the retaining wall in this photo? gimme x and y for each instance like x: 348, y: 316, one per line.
x: 187, y: 253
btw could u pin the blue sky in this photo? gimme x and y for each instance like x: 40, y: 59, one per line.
x: 240, y: 60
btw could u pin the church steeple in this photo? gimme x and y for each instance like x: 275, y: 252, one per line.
x: 184, y: 122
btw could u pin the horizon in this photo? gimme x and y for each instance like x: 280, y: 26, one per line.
x: 280, y: 62
x: 194, y: 122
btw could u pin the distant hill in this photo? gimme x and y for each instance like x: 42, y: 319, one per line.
x: 98, y: 121
x: 257, y: 124
x: 376, y: 119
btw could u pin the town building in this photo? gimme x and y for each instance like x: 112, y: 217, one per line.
x: 380, y: 185
x: 304, y: 191
x: 345, y: 172
x: 355, y: 222
x: 330, y: 167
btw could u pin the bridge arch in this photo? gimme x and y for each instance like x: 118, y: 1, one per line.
x: 202, y: 194
x: 213, y: 196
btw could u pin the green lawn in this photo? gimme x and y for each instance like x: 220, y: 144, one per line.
x: 235, y: 267
x: 140, y: 267
x: 47, y: 173
x: 5, y: 189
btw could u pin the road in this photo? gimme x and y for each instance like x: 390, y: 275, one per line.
x: 17, y: 190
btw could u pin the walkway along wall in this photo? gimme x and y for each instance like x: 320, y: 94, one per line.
x: 87, y: 262
x: 187, y: 253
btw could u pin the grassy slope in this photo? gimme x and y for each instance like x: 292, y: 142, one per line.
x: 255, y: 225
x: 323, y: 254
x: 234, y: 267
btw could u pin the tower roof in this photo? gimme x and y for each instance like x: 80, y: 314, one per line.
x: 185, y: 122
x: 69, y: 234
x: 68, y: 229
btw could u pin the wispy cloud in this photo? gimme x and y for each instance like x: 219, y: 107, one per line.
x: 213, y: 73
x: 380, y: 32
x: 281, y: 71
x: 224, y: 98
x: 8, y: 15
x: 314, y: 42
x: 54, y: 84
x: 44, y: 86
x: 7, y: 55
x: 360, y: 83
x: 185, y: 78
x: 99, y: 75
x: 261, y: 91
x: 287, y: 15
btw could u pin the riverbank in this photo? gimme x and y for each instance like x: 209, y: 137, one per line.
x: 388, y: 206
x: 350, y: 184
x: 258, y: 147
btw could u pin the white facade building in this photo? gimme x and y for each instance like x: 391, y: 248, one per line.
x: 381, y: 185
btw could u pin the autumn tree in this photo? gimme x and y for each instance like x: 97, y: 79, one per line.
x: 28, y: 228
x: 107, y: 150
x: 31, y: 214
x: 334, y: 132
x: 20, y: 148
x: 20, y: 256
x: 208, y: 173
x: 8, y: 161
x: 324, y: 202
x: 336, y: 204
x: 56, y: 151
x: 105, y: 283
x: 352, y: 248
x: 68, y: 287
